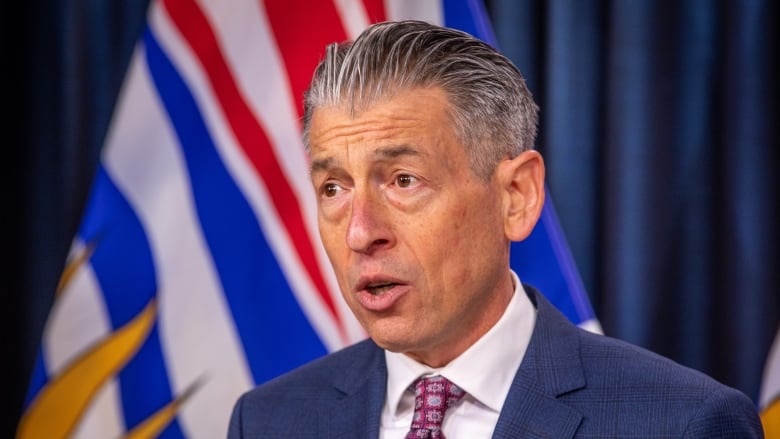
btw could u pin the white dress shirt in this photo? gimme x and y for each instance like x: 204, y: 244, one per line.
x: 485, y: 371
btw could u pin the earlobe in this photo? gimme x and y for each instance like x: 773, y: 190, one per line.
x: 522, y: 179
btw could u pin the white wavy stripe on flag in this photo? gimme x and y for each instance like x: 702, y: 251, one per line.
x: 592, y: 325
x: 197, y: 332
x: 426, y: 10
x: 261, y: 76
x: 353, y: 16
x: 247, y: 41
x: 77, y: 321
x: 257, y: 69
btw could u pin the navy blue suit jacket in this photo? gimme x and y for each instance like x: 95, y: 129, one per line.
x: 570, y: 384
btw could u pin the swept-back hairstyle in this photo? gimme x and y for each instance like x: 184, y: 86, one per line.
x: 492, y: 110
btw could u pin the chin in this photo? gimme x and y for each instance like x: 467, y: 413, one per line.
x: 391, y: 342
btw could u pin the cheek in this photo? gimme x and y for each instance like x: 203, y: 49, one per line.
x: 333, y: 238
x: 462, y: 220
x: 334, y: 244
x: 473, y: 234
x: 442, y: 242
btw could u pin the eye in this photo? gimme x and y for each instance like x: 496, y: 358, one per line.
x: 405, y: 180
x: 330, y: 190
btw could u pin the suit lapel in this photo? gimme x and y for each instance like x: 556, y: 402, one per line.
x: 362, y: 385
x: 551, y: 367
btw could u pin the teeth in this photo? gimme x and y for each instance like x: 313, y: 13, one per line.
x: 379, y: 289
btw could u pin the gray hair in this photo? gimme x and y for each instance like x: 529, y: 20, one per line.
x: 494, y: 114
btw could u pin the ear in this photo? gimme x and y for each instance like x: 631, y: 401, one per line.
x: 522, y: 181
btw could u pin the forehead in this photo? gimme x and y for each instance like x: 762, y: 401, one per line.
x: 408, y: 118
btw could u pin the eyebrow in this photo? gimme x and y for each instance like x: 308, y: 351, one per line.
x: 389, y: 152
x: 320, y: 164
x: 396, y: 151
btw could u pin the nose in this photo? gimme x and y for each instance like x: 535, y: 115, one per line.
x: 368, y: 229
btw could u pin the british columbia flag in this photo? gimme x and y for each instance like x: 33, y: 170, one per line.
x: 197, y: 272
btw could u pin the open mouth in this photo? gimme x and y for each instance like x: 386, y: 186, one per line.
x: 380, y: 293
x: 379, y: 288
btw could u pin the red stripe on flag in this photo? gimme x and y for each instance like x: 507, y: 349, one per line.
x: 195, y: 28
x: 302, y: 29
x: 375, y: 9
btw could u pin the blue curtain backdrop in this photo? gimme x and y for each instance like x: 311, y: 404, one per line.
x: 658, y: 127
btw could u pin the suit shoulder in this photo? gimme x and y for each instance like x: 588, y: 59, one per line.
x: 638, y: 365
x: 300, y: 393
x: 319, y: 375
x: 660, y: 394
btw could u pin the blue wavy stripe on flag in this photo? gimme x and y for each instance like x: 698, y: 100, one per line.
x: 124, y: 270
x: 124, y: 267
x: 38, y: 378
x: 274, y: 331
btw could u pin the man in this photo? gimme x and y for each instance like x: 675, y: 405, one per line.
x: 421, y: 142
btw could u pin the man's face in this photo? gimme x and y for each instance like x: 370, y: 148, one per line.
x: 415, y: 237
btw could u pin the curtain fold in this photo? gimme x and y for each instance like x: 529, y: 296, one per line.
x: 66, y: 61
x: 659, y: 135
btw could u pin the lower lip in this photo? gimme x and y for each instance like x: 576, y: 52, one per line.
x: 384, y: 301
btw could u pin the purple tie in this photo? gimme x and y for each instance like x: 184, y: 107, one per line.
x: 432, y: 397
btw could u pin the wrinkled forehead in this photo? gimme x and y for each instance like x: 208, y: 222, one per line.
x: 355, y: 106
x: 415, y: 118
x: 418, y: 104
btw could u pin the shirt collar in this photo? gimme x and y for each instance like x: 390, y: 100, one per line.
x: 497, y: 356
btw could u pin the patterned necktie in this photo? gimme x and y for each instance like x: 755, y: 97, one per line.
x: 432, y: 397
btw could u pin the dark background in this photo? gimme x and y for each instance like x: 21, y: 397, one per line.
x: 658, y: 127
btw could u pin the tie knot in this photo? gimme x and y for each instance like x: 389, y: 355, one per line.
x: 432, y: 397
